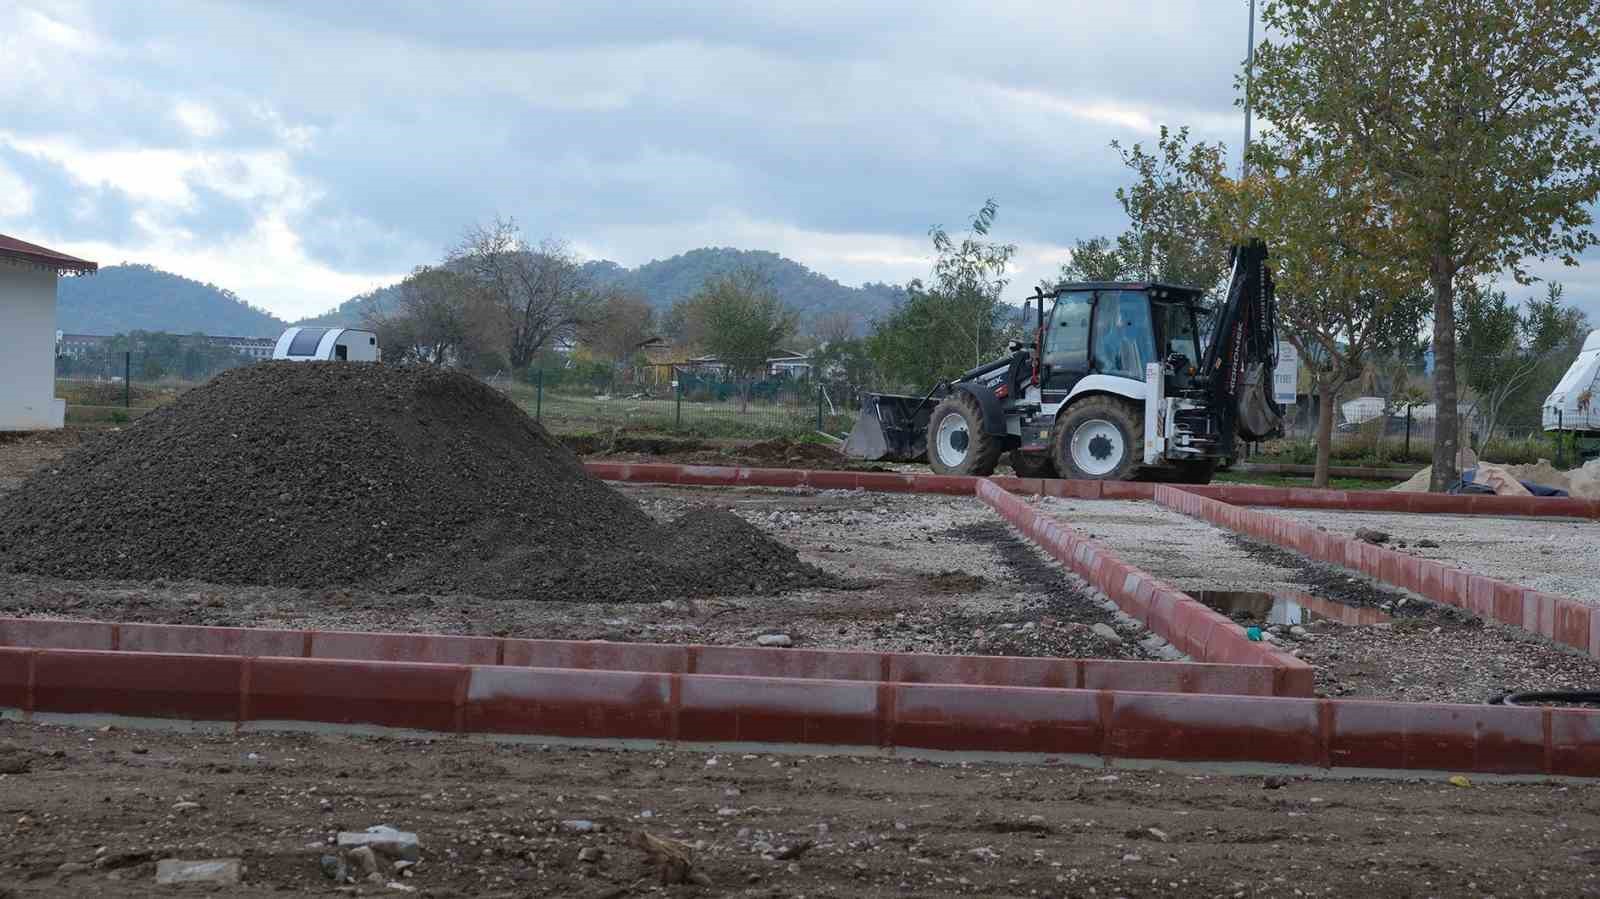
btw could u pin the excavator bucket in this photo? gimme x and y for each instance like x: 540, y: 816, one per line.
x: 891, y: 428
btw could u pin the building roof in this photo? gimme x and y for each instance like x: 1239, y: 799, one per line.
x: 11, y: 248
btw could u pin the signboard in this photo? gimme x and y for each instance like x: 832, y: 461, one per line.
x: 1286, y: 377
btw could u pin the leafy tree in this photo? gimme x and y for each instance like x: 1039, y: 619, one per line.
x: 620, y: 327
x: 959, y: 321
x: 1478, y: 116
x: 741, y: 322
x: 1505, y: 350
x: 1344, y: 297
x: 834, y: 327
x: 1096, y: 259
x: 1175, y: 225
x: 536, y: 296
x: 845, y: 368
x: 432, y: 321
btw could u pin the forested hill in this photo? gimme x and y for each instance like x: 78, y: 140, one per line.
x: 122, y: 298
x: 663, y: 282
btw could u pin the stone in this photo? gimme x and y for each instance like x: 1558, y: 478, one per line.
x: 1372, y: 536
x: 383, y: 838
x: 1106, y: 632
x: 185, y: 806
x: 774, y: 640
x: 220, y: 871
x: 334, y: 868
x: 364, y: 860
x: 1298, y: 632
x: 591, y: 854
x: 579, y: 825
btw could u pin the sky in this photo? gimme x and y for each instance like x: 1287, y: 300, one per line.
x: 300, y: 153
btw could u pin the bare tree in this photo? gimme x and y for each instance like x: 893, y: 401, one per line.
x: 621, y: 324
x: 539, y: 295
x: 431, y: 321
x: 829, y: 328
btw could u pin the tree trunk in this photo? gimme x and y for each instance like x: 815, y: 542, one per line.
x: 1327, y: 395
x: 1446, y: 436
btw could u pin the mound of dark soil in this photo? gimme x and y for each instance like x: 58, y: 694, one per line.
x: 321, y: 474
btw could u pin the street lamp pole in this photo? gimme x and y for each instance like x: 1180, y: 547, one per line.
x: 1249, y: 76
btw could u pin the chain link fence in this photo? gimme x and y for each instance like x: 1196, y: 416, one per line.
x: 114, y: 386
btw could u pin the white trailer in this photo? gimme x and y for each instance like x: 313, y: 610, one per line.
x: 1574, y: 405
x: 327, y: 344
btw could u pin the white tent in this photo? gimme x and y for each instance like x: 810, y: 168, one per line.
x: 1573, y: 406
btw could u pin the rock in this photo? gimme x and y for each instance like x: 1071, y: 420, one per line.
x: 774, y: 640
x: 1425, y: 543
x: 580, y: 825
x: 1372, y: 536
x: 1298, y: 632
x: 14, y: 763
x: 1274, y: 783
x: 591, y: 854
x: 1157, y: 833
x: 383, y: 838
x: 334, y: 868
x: 1106, y: 632
x: 983, y: 853
x: 364, y: 860
x: 220, y: 871
x: 185, y: 806
x: 69, y: 868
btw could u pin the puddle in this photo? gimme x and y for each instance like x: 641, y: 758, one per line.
x: 1286, y: 609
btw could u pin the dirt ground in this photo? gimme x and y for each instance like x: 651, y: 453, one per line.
x: 1556, y: 555
x: 21, y: 453
x: 93, y: 810
x: 1427, y: 653
x: 925, y: 574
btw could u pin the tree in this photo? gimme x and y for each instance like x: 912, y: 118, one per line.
x: 536, y: 295
x: 431, y: 321
x: 1479, y: 117
x: 742, y: 323
x: 621, y: 325
x: 1096, y: 259
x: 844, y: 368
x: 1343, y: 295
x: 1175, y: 228
x: 1505, y: 350
x: 833, y: 327
x: 936, y: 332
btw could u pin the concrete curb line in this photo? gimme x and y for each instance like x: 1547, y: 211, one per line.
x: 1559, y: 618
x: 658, y: 658
x: 1185, y: 623
x: 711, y: 709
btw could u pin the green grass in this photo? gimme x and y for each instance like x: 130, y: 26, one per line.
x: 1275, y: 480
x: 565, y: 413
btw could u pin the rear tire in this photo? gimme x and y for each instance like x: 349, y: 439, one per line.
x: 1100, y: 439
x: 956, y: 441
x: 1032, y: 465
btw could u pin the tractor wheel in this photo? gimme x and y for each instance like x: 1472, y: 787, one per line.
x: 1195, y: 472
x: 1032, y: 465
x: 1101, y: 438
x: 956, y: 441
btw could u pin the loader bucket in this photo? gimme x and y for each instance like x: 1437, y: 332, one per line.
x: 891, y: 428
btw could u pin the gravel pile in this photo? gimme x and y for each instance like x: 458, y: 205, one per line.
x: 394, y: 478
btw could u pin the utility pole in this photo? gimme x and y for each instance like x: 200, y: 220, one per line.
x: 1249, y: 76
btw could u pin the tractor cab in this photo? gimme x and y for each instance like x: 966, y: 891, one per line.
x: 1116, y: 330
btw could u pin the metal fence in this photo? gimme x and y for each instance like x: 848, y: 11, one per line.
x: 113, y: 387
x: 690, y: 402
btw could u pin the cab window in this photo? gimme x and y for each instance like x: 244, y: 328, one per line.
x: 1066, y: 342
x: 1123, y: 338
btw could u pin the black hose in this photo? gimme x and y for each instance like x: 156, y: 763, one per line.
x: 1529, y: 698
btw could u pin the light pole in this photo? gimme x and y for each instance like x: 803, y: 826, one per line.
x: 1249, y: 76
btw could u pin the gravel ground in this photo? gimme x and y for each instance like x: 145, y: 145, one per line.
x: 927, y: 574
x: 91, y: 811
x: 1556, y: 555
x: 1427, y: 653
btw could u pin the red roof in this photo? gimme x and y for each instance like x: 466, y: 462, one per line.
x: 11, y: 248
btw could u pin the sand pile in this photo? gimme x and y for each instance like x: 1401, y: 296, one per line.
x: 323, y: 474
x: 1581, y: 482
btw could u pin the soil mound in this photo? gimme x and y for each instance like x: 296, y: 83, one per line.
x: 322, y: 474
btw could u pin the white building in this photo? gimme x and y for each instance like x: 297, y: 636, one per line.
x: 27, y: 333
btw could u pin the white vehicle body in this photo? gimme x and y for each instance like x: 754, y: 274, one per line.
x: 1573, y: 406
x: 300, y: 344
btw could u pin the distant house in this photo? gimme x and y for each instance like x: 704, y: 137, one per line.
x: 28, y: 274
x: 786, y: 364
x: 81, y: 346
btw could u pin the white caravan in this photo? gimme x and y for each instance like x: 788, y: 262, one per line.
x: 327, y: 345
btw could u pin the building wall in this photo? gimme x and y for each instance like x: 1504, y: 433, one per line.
x: 27, y: 349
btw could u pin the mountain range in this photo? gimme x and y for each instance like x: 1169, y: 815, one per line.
x: 126, y: 297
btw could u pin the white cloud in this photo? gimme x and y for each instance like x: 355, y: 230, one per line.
x: 16, y: 197
x: 198, y: 119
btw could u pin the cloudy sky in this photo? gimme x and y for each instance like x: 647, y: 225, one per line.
x: 302, y: 152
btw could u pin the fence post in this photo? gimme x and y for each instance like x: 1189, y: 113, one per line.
x: 127, y: 379
x: 677, y: 415
x: 1561, y: 443
x: 819, y: 408
x: 538, y: 398
x: 1408, y: 432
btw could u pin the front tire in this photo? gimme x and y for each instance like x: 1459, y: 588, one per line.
x: 956, y: 441
x: 1100, y: 439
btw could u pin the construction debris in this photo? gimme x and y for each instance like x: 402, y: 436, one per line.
x: 671, y: 861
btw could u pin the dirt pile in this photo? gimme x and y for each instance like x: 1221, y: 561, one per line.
x: 321, y: 474
x: 1580, y: 482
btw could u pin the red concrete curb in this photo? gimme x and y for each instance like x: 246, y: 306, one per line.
x: 1566, y: 621
x: 701, y: 708
x: 657, y: 658
x: 1185, y: 623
